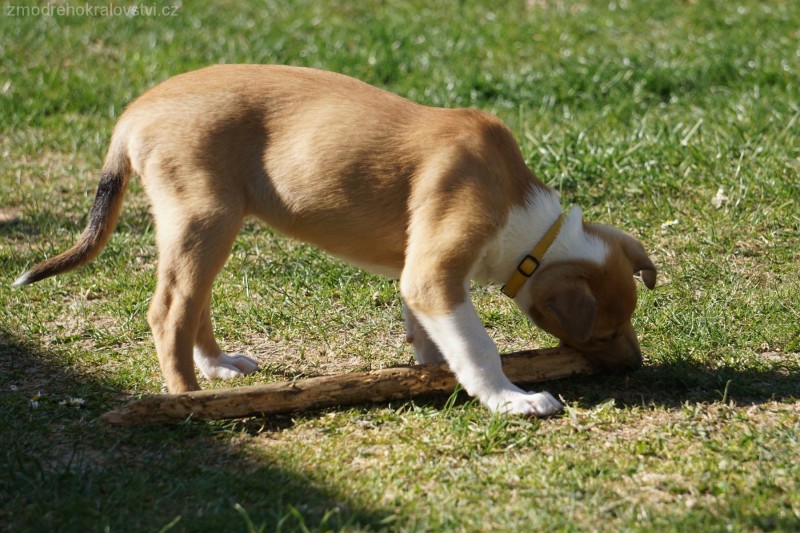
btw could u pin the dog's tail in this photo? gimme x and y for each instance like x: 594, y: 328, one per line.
x: 102, y: 218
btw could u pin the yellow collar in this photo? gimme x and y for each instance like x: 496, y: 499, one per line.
x: 530, y: 263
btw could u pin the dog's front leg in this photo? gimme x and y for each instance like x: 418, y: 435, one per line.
x: 470, y: 352
x: 454, y: 215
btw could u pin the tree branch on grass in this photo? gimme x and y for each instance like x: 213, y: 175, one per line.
x: 397, y: 383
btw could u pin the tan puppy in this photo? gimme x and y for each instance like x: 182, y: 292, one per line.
x: 435, y: 197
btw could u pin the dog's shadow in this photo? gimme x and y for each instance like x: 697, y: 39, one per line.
x: 673, y: 385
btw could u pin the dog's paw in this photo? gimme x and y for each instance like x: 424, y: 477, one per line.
x: 225, y: 366
x: 537, y: 404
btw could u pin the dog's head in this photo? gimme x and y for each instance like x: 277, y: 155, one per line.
x: 588, y: 305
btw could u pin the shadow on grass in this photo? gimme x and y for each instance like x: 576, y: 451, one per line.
x: 62, y: 469
x: 669, y: 385
x: 674, y: 384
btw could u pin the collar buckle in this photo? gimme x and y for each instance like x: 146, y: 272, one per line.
x: 531, y: 262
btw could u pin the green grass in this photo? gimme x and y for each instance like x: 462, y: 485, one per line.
x: 639, y: 111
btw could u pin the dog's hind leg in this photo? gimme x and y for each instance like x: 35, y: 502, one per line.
x: 192, y: 249
x: 209, y: 358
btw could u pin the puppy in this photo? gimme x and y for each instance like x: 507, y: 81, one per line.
x: 434, y: 197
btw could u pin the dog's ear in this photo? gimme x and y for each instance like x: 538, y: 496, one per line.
x: 574, y: 309
x: 649, y: 276
x: 640, y: 260
x: 633, y: 250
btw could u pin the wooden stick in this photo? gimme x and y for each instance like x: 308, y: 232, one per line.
x: 398, y: 383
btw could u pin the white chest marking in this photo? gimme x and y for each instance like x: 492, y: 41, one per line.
x: 526, y: 226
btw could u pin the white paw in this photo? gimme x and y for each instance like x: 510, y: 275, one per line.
x: 524, y: 403
x: 224, y: 366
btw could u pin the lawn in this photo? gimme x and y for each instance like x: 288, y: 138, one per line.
x: 676, y: 121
